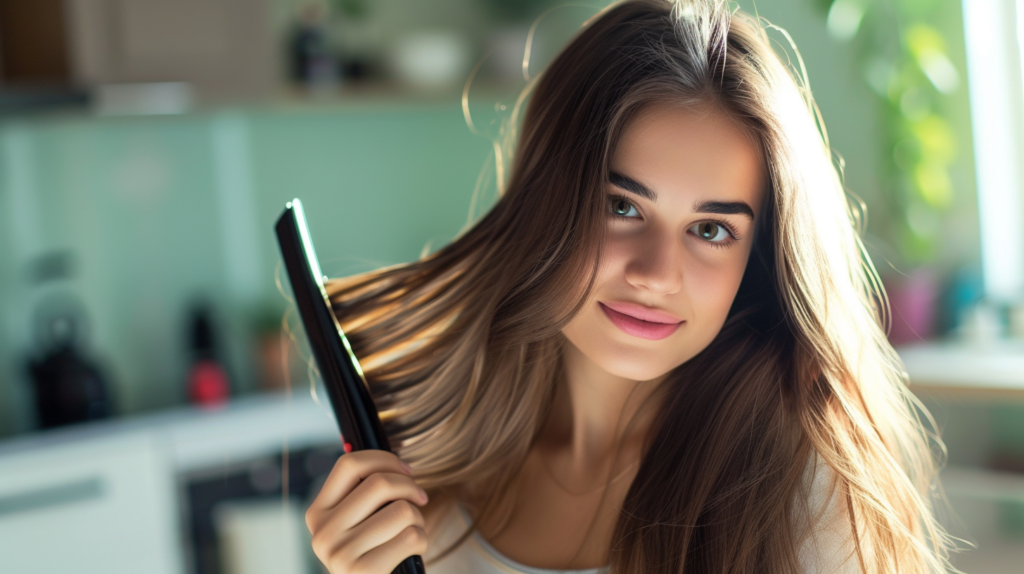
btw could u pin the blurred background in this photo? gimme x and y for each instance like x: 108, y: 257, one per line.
x: 155, y: 412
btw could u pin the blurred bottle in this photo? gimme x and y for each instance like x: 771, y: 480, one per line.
x: 69, y: 386
x: 913, y: 299
x: 355, y: 39
x: 311, y: 56
x: 208, y: 383
x: 276, y: 354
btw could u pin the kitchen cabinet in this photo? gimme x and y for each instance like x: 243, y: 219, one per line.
x: 135, y: 495
x: 223, y: 48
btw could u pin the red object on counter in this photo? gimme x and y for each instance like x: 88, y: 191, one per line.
x: 208, y: 384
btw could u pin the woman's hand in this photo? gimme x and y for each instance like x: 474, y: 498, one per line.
x: 364, y: 521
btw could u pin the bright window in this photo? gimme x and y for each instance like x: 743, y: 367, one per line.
x: 994, y: 30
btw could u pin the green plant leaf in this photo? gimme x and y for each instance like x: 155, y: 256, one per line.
x: 933, y: 183
x: 938, y: 145
x: 916, y: 8
x: 926, y: 45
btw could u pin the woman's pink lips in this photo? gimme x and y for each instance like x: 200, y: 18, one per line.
x: 654, y: 325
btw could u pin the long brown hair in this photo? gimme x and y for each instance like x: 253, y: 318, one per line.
x: 461, y: 348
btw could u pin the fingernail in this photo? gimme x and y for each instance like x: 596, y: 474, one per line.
x: 423, y: 495
x: 407, y: 468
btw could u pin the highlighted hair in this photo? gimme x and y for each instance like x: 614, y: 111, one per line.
x: 462, y: 347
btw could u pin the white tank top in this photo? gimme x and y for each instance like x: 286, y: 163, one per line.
x: 475, y: 555
x: 829, y: 548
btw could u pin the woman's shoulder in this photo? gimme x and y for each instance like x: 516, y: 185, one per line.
x: 825, y: 533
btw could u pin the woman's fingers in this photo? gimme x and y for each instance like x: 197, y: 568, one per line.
x: 364, y: 520
x: 374, y: 492
x: 389, y: 522
x: 385, y: 558
x: 349, y: 470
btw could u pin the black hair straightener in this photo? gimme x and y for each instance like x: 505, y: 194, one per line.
x: 346, y: 386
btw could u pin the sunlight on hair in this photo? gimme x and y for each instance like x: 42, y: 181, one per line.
x: 286, y: 328
x: 462, y: 347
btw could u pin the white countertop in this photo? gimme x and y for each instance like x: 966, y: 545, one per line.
x: 246, y: 427
x: 991, y: 367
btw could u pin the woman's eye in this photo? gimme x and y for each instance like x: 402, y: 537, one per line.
x: 711, y: 231
x: 622, y: 208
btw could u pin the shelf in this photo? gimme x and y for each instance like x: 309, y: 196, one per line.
x: 995, y: 368
x: 377, y: 97
x: 196, y: 438
x: 983, y: 484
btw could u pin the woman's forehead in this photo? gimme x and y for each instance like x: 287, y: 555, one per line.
x: 686, y: 153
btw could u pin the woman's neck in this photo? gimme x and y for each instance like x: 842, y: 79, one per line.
x: 597, y: 421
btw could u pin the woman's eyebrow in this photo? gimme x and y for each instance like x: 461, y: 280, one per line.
x: 632, y: 185
x: 719, y: 207
x: 724, y: 208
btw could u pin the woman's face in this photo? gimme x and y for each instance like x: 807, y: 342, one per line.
x: 685, y: 190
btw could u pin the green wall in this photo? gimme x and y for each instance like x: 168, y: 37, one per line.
x: 157, y: 211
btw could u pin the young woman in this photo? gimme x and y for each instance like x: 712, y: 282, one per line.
x: 662, y: 350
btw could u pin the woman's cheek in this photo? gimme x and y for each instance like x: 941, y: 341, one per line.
x: 611, y: 270
x: 713, y: 289
x: 616, y: 250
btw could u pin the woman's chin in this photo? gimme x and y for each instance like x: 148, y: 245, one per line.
x: 634, y: 366
x: 623, y: 359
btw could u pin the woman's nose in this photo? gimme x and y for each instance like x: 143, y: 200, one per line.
x: 657, y: 265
